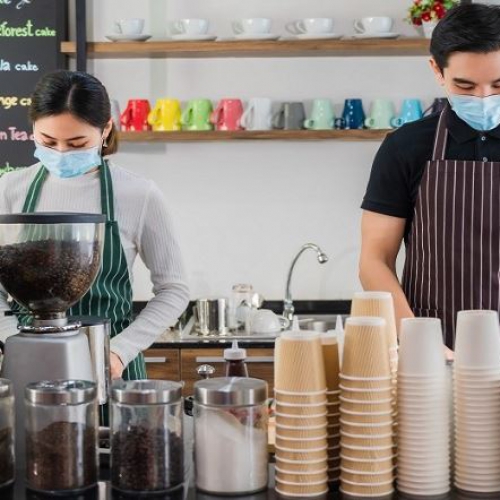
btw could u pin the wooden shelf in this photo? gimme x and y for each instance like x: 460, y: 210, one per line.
x: 278, y: 135
x: 403, y: 46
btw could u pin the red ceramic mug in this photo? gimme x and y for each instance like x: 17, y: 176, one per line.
x: 227, y: 115
x: 135, y: 116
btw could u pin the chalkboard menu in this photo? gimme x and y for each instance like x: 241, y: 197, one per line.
x: 30, y: 35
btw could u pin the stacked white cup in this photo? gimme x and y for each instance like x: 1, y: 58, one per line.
x: 423, y: 410
x: 477, y: 402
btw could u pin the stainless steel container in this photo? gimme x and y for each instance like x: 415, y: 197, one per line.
x: 98, y: 333
x: 211, y: 316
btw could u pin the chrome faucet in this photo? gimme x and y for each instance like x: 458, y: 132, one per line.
x: 288, y: 302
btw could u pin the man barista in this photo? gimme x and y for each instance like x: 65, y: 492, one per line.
x: 435, y: 184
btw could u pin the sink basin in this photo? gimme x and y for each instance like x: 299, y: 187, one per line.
x: 319, y: 322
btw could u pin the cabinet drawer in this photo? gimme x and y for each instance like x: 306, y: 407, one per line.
x: 260, y: 363
x: 163, y: 364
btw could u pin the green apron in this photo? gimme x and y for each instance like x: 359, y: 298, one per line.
x: 110, y: 296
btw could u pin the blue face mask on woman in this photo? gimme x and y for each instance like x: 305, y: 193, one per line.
x: 68, y: 164
x: 480, y: 113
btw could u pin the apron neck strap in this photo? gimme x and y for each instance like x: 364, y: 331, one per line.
x: 107, y: 199
x: 441, y: 138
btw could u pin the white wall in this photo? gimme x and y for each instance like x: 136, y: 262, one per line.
x: 243, y: 209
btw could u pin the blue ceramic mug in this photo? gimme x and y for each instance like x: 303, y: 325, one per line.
x: 353, y: 116
x: 410, y: 112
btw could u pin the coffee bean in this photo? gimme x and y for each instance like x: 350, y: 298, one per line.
x: 146, y: 460
x: 7, y: 468
x: 61, y: 456
x: 48, y: 275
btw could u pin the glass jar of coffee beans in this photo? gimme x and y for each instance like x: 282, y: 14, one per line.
x: 61, y: 436
x: 147, y: 449
x: 7, y: 452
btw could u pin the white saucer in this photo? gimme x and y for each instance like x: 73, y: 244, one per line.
x: 116, y: 37
x: 376, y: 35
x: 192, y: 38
x: 254, y: 36
x: 316, y: 36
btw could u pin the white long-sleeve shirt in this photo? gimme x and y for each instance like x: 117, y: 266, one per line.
x: 145, y: 229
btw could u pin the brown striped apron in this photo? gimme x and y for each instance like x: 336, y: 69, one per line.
x: 453, y: 248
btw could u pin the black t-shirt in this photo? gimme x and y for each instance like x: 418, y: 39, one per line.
x: 400, y: 162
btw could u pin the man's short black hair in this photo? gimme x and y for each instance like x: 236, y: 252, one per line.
x: 466, y: 28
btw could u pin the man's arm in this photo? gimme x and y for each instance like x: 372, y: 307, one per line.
x: 381, y: 237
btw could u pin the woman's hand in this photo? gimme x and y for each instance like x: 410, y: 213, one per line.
x: 116, y: 366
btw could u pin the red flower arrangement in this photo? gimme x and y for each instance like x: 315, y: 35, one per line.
x: 429, y: 10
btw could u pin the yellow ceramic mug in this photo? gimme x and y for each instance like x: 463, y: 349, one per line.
x: 166, y: 115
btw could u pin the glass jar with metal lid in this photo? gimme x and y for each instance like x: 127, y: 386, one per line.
x: 61, y: 436
x: 230, y: 434
x: 147, y: 447
x: 7, y: 429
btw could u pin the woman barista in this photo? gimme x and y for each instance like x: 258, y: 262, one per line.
x: 435, y: 184
x: 73, y: 134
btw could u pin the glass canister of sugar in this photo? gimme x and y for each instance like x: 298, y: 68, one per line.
x: 230, y: 435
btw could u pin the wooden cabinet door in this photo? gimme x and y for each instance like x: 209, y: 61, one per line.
x: 260, y: 364
x: 163, y: 364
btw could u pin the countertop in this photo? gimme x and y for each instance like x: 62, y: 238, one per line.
x: 104, y: 492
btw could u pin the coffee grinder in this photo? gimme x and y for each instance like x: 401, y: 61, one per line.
x: 48, y: 262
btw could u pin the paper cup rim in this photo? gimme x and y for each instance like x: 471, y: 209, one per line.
x: 288, y: 415
x: 369, y: 391
x: 383, y: 483
x: 297, y: 405
x: 357, y: 424
x: 366, y: 448
x: 311, y: 450
x: 365, y: 460
x: 367, y: 436
x: 299, y: 428
x: 301, y: 393
x: 302, y: 462
x: 302, y: 335
x: 306, y: 473
x: 368, y: 473
x: 290, y: 483
x: 279, y: 436
x: 301, y: 495
x: 365, y: 495
x: 369, y: 401
x: 366, y: 414
x: 364, y: 379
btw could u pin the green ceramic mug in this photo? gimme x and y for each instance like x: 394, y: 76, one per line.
x: 322, y: 116
x: 196, y: 115
x: 381, y: 114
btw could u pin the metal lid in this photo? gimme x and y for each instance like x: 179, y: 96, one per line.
x: 146, y: 392
x: 230, y: 391
x: 60, y: 392
x: 5, y: 388
x: 52, y: 218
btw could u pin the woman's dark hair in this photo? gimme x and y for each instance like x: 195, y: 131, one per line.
x: 466, y: 28
x: 80, y: 94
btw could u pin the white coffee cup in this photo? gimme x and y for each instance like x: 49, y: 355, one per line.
x: 311, y: 26
x: 258, y: 115
x: 374, y: 25
x: 189, y: 27
x: 265, y: 321
x: 129, y: 26
x: 252, y: 26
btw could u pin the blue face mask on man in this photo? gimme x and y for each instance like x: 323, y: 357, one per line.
x: 67, y: 164
x: 480, y: 113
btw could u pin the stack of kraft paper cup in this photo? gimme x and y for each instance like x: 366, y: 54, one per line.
x: 477, y: 402
x: 301, y: 416
x: 332, y: 367
x: 424, y: 396
x: 366, y: 410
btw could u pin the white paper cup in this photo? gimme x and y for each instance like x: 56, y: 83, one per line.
x: 477, y: 340
x: 421, y: 350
